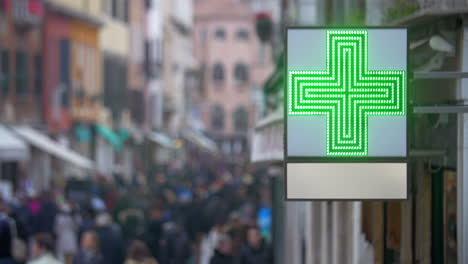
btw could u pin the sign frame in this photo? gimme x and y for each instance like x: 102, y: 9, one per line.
x: 343, y: 159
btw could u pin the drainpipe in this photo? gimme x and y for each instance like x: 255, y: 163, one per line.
x: 462, y: 155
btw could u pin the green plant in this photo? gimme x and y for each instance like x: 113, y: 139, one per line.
x: 355, y: 18
x: 400, y: 9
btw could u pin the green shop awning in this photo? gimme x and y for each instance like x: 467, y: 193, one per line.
x: 123, y: 134
x: 83, y: 133
x: 110, y: 136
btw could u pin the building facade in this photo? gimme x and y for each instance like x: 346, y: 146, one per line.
x: 429, y: 227
x: 72, y: 79
x: 137, y: 74
x: 154, y: 64
x: 21, y: 61
x: 114, y: 39
x: 226, y: 47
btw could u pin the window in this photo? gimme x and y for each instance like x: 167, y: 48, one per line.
x: 242, y: 34
x: 21, y: 73
x: 158, y: 57
x: 220, y: 34
x: 115, y: 84
x: 241, y: 74
x: 217, y: 117
x: 202, y: 35
x: 241, y: 119
x: 125, y: 7
x: 226, y: 147
x: 107, y: 7
x: 38, y: 75
x: 148, y: 59
x: 237, y: 147
x: 5, y: 72
x: 218, y: 72
x: 118, y: 9
x: 148, y: 4
x: 64, y: 75
x: 114, y: 7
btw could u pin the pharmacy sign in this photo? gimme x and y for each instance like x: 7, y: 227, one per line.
x: 346, y: 95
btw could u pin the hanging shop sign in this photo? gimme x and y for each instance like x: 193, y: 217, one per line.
x: 346, y: 113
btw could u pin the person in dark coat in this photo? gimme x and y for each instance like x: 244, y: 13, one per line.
x: 110, y: 240
x: 5, y: 235
x: 223, y: 251
x: 174, y: 245
x: 23, y: 219
x: 154, y: 231
x: 89, y: 251
x: 46, y: 216
x: 256, y: 251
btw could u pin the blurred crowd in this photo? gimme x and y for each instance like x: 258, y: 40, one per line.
x: 209, y: 219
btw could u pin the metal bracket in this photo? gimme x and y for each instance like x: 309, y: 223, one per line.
x: 439, y: 109
x: 440, y: 75
x: 427, y: 153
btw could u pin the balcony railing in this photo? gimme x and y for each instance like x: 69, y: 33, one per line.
x: 408, y: 11
x: 441, y: 4
x: 26, y: 13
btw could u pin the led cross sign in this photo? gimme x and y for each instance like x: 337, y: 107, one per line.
x: 347, y: 92
x: 345, y: 113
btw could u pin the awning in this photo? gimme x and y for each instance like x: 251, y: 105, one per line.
x: 267, y: 142
x: 110, y: 136
x: 201, y: 140
x: 12, y: 148
x: 41, y: 141
x: 161, y: 139
x: 123, y: 134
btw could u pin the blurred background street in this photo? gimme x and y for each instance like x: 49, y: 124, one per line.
x: 151, y: 131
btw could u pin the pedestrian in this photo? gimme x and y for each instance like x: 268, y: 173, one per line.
x: 46, y: 216
x: 110, y: 239
x: 256, y: 251
x: 15, y: 247
x: 42, y: 248
x: 5, y: 235
x: 87, y: 222
x: 223, y: 251
x: 34, y: 206
x: 154, y: 230
x: 23, y: 217
x: 66, y: 233
x: 138, y: 253
x: 175, y: 245
x: 209, y: 241
x: 89, y: 252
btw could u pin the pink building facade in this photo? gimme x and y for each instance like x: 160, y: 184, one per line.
x: 234, y: 65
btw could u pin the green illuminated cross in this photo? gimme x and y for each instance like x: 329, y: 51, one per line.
x: 347, y: 93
